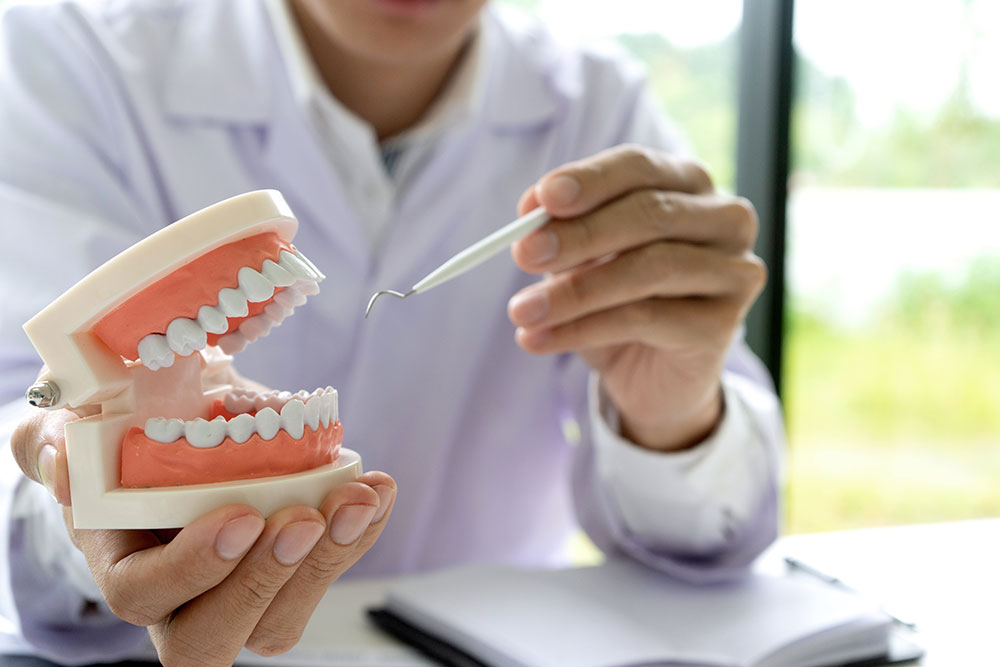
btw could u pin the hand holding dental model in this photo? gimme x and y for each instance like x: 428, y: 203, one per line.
x: 648, y: 276
x: 158, y: 431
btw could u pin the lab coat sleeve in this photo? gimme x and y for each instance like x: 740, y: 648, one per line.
x: 67, y: 202
x: 702, y: 514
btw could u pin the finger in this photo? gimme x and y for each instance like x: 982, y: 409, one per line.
x: 528, y: 201
x: 655, y: 270
x: 671, y: 324
x: 356, y: 514
x: 38, y: 444
x: 639, y: 218
x: 578, y: 187
x: 214, y: 627
x: 144, y: 580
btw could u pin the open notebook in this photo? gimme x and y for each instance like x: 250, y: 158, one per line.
x: 620, y: 614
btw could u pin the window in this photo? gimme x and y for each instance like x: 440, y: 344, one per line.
x: 892, y: 364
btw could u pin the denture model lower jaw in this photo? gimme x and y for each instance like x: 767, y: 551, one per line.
x: 228, y: 297
x: 249, y: 435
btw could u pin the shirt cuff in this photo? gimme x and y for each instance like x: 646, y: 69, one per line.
x: 691, y: 501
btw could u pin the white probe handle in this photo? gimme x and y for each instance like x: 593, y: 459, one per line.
x: 480, y: 251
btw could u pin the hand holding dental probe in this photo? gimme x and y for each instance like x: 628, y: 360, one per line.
x: 647, y: 275
x: 473, y: 256
x: 229, y: 579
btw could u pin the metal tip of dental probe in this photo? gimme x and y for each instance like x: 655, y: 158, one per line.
x: 375, y: 296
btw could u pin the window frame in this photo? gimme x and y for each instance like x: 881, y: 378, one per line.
x: 766, y: 58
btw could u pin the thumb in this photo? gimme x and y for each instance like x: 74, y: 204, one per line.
x: 39, y: 447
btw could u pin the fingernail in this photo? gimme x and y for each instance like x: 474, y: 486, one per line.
x: 385, y: 494
x: 529, y: 305
x: 296, y: 540
x: 47, y: 468
x: 561, y: 190
x: 237, y: 536
x: 541, y: 247
x: 349, y: 522
x: 533, y: 338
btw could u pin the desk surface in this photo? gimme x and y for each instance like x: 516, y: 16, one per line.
x: 944, y: 576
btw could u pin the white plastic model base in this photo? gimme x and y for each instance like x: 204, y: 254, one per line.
x: 87, y: 372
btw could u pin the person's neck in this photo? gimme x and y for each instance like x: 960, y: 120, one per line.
x: 389, y: 97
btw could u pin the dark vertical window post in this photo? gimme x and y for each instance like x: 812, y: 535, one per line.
x: 762, y: 159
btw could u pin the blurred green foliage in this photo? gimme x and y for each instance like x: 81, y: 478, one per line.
x: 929, y: 302
x: 898, y: 421
x: 957, y: 146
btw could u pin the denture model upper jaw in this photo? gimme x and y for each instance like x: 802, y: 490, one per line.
x: 148, y: 337
x: 280, y: 287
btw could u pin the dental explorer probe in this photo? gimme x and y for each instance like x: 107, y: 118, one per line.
x: 474, y: 255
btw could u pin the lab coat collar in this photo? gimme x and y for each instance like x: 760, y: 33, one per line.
x: 525, y: 87
x: 528, y: 82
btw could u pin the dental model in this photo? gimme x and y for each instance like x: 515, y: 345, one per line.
x: 149, y: 336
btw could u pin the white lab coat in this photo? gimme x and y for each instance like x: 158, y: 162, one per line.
x: 117, y: 119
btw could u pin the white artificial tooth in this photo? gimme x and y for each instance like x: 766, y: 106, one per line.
x: 212, y: 320
x: 334, y: 404
x: 302, y: 395
x: 233, y: 302
x: 267, y: 423
x: 293, y: 418
x: 258, y: 399
x: 184, y: 336
x: 242, y: 391
x: 164, y: 430
x: 324, y: 410
x: 256, y: 287
x: 256, y: 327
x: 202, y: 433
x: 327, y: 406
x: 290, y: 298
x: 231, y: 400
x: 276, y: 274
x: 312, y: 412
x: 276, y: 311
x: 155, y: 353
x: 236, y: 403
x: 307, y: 287
x: 319, y: 274
x: 241, y: 427
x: 233, y: 343
x: 270, y: 400
x: 295, y: 266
